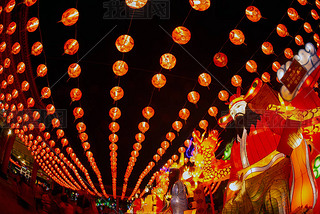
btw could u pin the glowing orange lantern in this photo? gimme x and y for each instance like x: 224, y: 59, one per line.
x: 223, y: 95
x: 114, y: 127
x: 60, y: 133
x: 85, y: 146
x: 137, y: 146
x: 21, y: 67
x: 156, y: 158
x: 193, y: 97
x: 135, y: 154
x: 36, y: 49
x: 200, y: 5
x: 236, y: 81
x: 181, y: 149
x: 29, y: 3
x: 213, y: 111
x: 30, y: 102
x: 71, y: 47
x: 25, y: 86
x: 32, y: 24
x: 174, y: 157
x: 251, y: 66
x: 220, y: 59
x: 307, y: 27
x: 275, y: 66
x: 140, y: 137
x: 265, y: 77
x: 46, y: 135
x: 158, y: 80
x: 45, y: 92
x: 203, y: 124
x: 15, y: 49
x: 170, y: 136
x: 83, y: 136
x: 116, y: 93
x: 282, y: 30
x: 177, y: 125
x: 299, y: 40
x: 124, y: 43
x: 184, y: 114
x: 303, y: 2
x: 64, y: 142
x: 181, y: 35
x: 74, y: 70
x: 120, y: 68
x: 143, y: 127
x: 204, y: 79
x: 70, y: 17
x: 10, y: 5
x: 1, y: 69
x: 1, y: 27
x: 42, y: 70
x: 168, y: 61
x: 165, y: 145
x: 36, y: 115
x: 316, y: 38
x: 136, y: 4
x: 314, y: 14
x: 318, y: 4
x: 3, y: 46
x: 11, y: 28
x: 160, y: 151
x: 113, y: 147
x: 75, y: 94
x: 115, y: 113
x: 253, y: 14
x: 293, y: 14
x: 78, y: 112
x: 148, y: 112
x: 8, y: 97
x: 20, y: 107
x: 288, y: 53
x: 42, y: 127
x: 55, y: 122
x: 52, y: 143
x: 267, y: 48
x: 81, y: 127
x: 236, y: 37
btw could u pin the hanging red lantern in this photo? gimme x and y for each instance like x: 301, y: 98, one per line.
x: 318, y: 4
x: 10, y: 5
x: 42, y: 127
x: 15, y: 93
x: 1, y: 26
x: 181, y: 35
x: 113, y: 147
x: 60, y: 133
x: 140, y: 137
x: 275, y: 66
x: 168, y: 61
x: 181, y: 150
x: 50, y: 109
x: 184, y: 114
x: 170, y: 136
x: 156, y: 158
x: 42, y: 70
x: 177, y: 126
x: 85, y: 146
x: 46, y: 135
x: 136, y: 4
x: 55, y: 123
x: 36, y: 48
x: 8, y: 97
x: 83, y: 137
x: 11, y: 28
x: 314, y: 14
x: 116, y: 93
x: 267, y: 48
x: 265, y: 77
x: 303, y: 2
x: 158, y: 80
x: 307, y: 27
x: 30, y: 102
x: 253, y: 14
x: 21, y: 67
x: 213, y: 111
x: 71, y: 47
x: 148, y: 112
x: 25, y: 86
x: 81, y: 127
x: 160, y: 151
x: 20, y: 107
x: 114, y: 127
x: 316, y: 38
x: 200, y: 5
x: 78, y: 112
x: 236, y: 81
x: 293, y: 14
x: 32, y: 24
x: 223, y: 95
x: 64, y: 142
x: 174, y: 157
x: 282, y: 30
x: 137, y: 146
x: 51, y: 144
x: 220, y: 59
x: 251, y: 66
x: 70, y: 17
x: 204, y: 79
x: 16, y: 47
x: 193, y: 97
x: 29, y: 3
x: 6, y: 63
x: 135, y: 154
x: 115, y: 113
x: 203, y: 124
x: 299, y: 40
x: 75, y: 94
x: 36, y: 115
x: 120, y: 68
x: 74, y: 70
x: 4, y: 84
x: 143, y: 127
x: 45, y: 93
x: 236, y: 37
x: 124, y: 43
x: 165, y: 145
x: 288, y: 53
x: 3, y: 46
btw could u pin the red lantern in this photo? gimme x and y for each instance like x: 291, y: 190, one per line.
x: 148, y: 112
x: 275, y: 66
x: 177, y: 125
x: 1, y: 69
x: 165, y: 145
x: 193, y: 97
x: 55, y: 122
x: 60, y: 133
x: 204, y: 79
x: 71, y: 47
x: 46, y: 135
x: 3, y: 46
x: 251, y: 66
x: 10, y: 5
x: 174, y: 157
x: 170, y: 136
x: 15, y: 93
x: 136, y: 4
x: 316, y: 38
x: 137, y: 146
x: 32, y: 24
x: 253, y: 14
x: 36, y: 48
x: 78, y: 112
x: 45, y: 93
x: 25, y: 86
x: 143, y: 127
x: 220, y: 59
x: 314, y: 14
x: 156, y: 158
x: 158, y: 80
x: 265, y: 77
x: 70, y: 17
x: 236, y: 81
x: 21, y: 67
x: 184, y: 114
x: 83, y: 136
x: 36, y: 115
x: 51, y: 144
x: 160, y: 151
x: 42, y: 70
x: 299, y: 40
x: 85, y: 146
x: 140, y: 137
x: 181, y: 149
x: 282, y: 30
x: 115, y: 113
x: 15, y: 49
x: 29, y: 3
x: 116, y: 93
x: 6, y: 63
x: 81, y: 127
x: 1, y: 25
x: 213, y: 111
x: 42, y: 127
x: 124, y: 43
x: 113, y: 147
x: 11, y: 28
x: 64, y: 142
x: 267, y: 48
x: 75, y: 94
x: 288, y: 53
x: 293, y: 14
x: 168, y: 61
x: 200, y: 5
x: 181, y: 35
x: 223, y: 95
x: 74, y: 70
x: 307, y: 27
x: 203, y: 124
x: 114, y: 127
x: 236, y: 37
x: 120, y: 68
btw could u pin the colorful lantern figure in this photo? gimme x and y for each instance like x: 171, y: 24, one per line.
x: 193, y: 97
x: 181, y: 35
x: 50, y: 109
x: 115, y: 113
x: 78, y: 112
x: 148, y: 112
x: 314, y: 14
x: 288, y: 53
x: 140, y: 137
x: 124, y: 43
x: 136, y: 4
x: 253, y: 14
x: 204, y: 79
x: 213, y: 111
x: 81, y: 127
x: 75, y: 94
x: 200, y: 5
x: 21, y: 67
x: 55, y: 123
x: 71, y: 47
x: 265, y: 77
x: 158, y: 80
x: 6, y: 63
x: 282, y: 30
x: 275, y: 66
x: 299, y: 40
x: 307, y: 27
x: 3, y: 46
x: 25, y: 86
x: 120, y: 68
x: 30, y: 102
x: 203, y: 124
x: 16, y: 47
x: 220, y: 59
x: 165, y: 145
x: 36, y: 48
x: 223, y: 95
x: 293, y: 14
x: 251, y: 66
x: 74, y: 70
x: 11, y: 28
x: 267, y: 48
x: 168, y: 61
x: 177, y: 126
x: 32, y: 24
x: 236, y: 81
x: 114, y: 127
x: 70, y: 17
x: 170, y: 136
x: 45, y: 93
x: 10, y: 5
x: 236, y: 37
x: 184, y: 114
x: 143, y: 127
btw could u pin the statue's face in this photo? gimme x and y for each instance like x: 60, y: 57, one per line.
x: 238, y: 109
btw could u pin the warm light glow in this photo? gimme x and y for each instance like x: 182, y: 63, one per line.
x: 234, y: 186
x: 9, y: 132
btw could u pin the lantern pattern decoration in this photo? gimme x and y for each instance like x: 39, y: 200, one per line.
x: 177, y: 126
x: 200, y: 5
x: 55, y: 123
x: 50, y: 109
x: 165, y: 144
x: 137, y: 147
x: 265, y: 77
x: 204, y: 79
x: 11, y: 28
x: 3, y: 46
x: 36, y: 48
x: 282, y: 30
x: 170, y: 136
x: 156, y: 158
x: 83, y: 137
x: 275, y: 66
x: 143, y: 127
x: 25, y: 86
x: 45, y: 93
x: 10, y: 5
x: 140, y: 137
x: 251, y: 66
x: 81, y: 127
x: 85, y: 146
x: 136, y: 4
x: 78, y: 112
x: 6, y: 63
x: 32, y: 24
x: 74, y: 70
x: 236, y: 81
x: 124, y: 43
x: 160, y: 151
x: 114, y: 127
x: 181, y: 35
x: 298, y: 40
x: 148, y: 112
x: 21, y: 67
x: 314, y: 14
x: 70, y: 17
x: 184, y: 114
x: 115, y: 113
x: 193, y: 97
x: 158, y: 80
x: 30, y: 102
x: 293, y: 14
x: 120, y: 68
x: 42, y: 70
x: 203, y: 124
x: 307, y: 27
x: 36, y: 115
x: 237, y: 37
x: 288, y: 53
x: 220, y: 59
x: 60, y: 133
x: 75, y: 94
x: 16, y: 47
x: 223, y: 95
x: 168, y: 61
x: 253, y: 14
x: 71, y: 47
x: 267, y: 48
x: 213, y: 111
